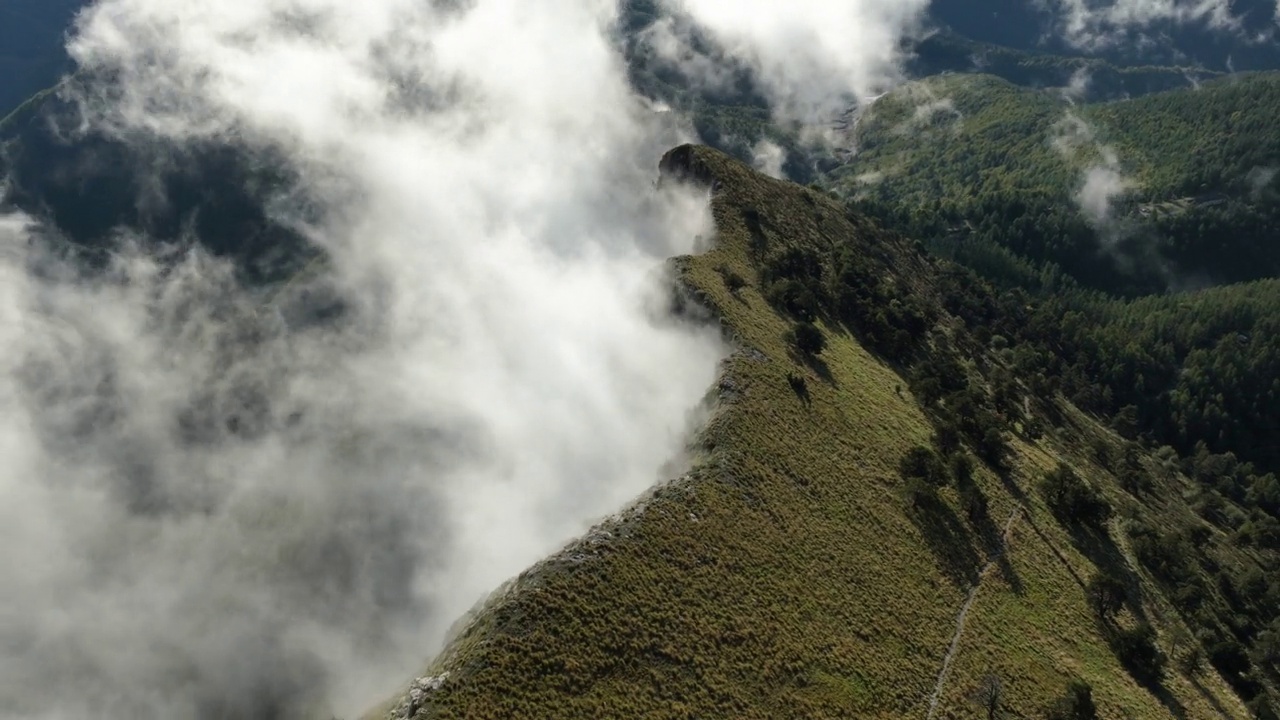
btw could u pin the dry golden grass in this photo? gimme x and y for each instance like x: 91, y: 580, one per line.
x: 783, y: 577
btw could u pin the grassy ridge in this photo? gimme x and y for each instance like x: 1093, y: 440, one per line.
x: 785, y: 576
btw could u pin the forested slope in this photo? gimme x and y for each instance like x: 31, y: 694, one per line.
x: 1162, y: 191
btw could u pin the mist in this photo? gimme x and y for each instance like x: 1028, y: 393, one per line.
x: 218, y: 501
x: 813, y: 59
x: 1093, y: 25
x: 1103, y: 183
x: 1102, y: 179
x: 768, y: 157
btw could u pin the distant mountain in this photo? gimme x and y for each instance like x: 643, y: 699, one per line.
x: 33, y: 33
x: 90, y: 186
x: 32, y: 41
x: 947, y: 51
x: 1034, y: 25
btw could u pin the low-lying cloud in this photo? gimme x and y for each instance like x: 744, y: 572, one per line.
x: 1103, y: 180
x: 214, y: 504
x: 768, y: 157
x: 1260, y: 180
x: 814, y: 59
x: 1093, y: 25
x: 1103, y: 183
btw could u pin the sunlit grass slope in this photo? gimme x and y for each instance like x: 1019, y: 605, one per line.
x: 785, y: 576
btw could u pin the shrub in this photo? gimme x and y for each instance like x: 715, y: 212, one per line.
x: 1033, y: 429
x: 1133, y: 477
x: 732, y: 280
x: 794, y: 298
x: 799, y: 386
x: 921, y: 463
x: 1191, y: 662
x: 947, y: 436
x: 1073, y: 500
x: 808, y: 339
x: 993, y: 447
x: 1107, y: 595
x: 1137, y: 651
x: 1166, y: 555
x: 974, y: 503
x: 962, y: 470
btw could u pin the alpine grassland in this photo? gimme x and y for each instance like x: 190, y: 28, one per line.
x: 837, y: 548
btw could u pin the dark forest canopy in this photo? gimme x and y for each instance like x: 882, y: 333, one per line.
x: 982, y: 166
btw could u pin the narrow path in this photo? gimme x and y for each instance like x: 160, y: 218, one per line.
x: 936, y: 695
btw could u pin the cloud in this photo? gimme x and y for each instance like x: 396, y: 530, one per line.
x: 1102, y: 185
x: 1130, y: 244
x: 1094, y: 25
x: 1077, y: 90
x: 214, y: 504
x: 930, y: 113
x: 1260, y: 179
x: 813, y: 58
x: 914, y: 109
x: 1102, y: 181
x: 676, y: 42
x: 768, y: 157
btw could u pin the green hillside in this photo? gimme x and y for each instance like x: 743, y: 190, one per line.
x: 838, y: 548
x: 978, y: 159
x: 985, y: 186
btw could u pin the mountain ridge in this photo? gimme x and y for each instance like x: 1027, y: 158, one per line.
x: 814, y: 579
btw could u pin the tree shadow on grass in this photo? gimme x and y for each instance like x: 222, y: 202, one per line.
x: 1097, y: 545
x: 995, y: 545
x: 1011, y: 485
x: 948, y: 539
x: 815, y: 364
x: 1166, y: 698
x: 1209, y: 698
x: 1141, y: 658
x: 1171, y: 703
x: 800, y: 387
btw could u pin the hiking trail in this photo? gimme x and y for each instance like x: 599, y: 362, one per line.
x: 936, y: 695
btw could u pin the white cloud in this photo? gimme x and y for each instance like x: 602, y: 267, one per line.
x: 1078, y: 88
x: 768, y: 157
x: 1089, y: 24
x: 1102, y: 184
x: 1260, y: 179
x: 208, y: 509
x: 814, y: 58
x: 930, y: 113
x: 1103, y: 179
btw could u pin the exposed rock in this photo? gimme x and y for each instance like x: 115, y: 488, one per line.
x: 420, y: 692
